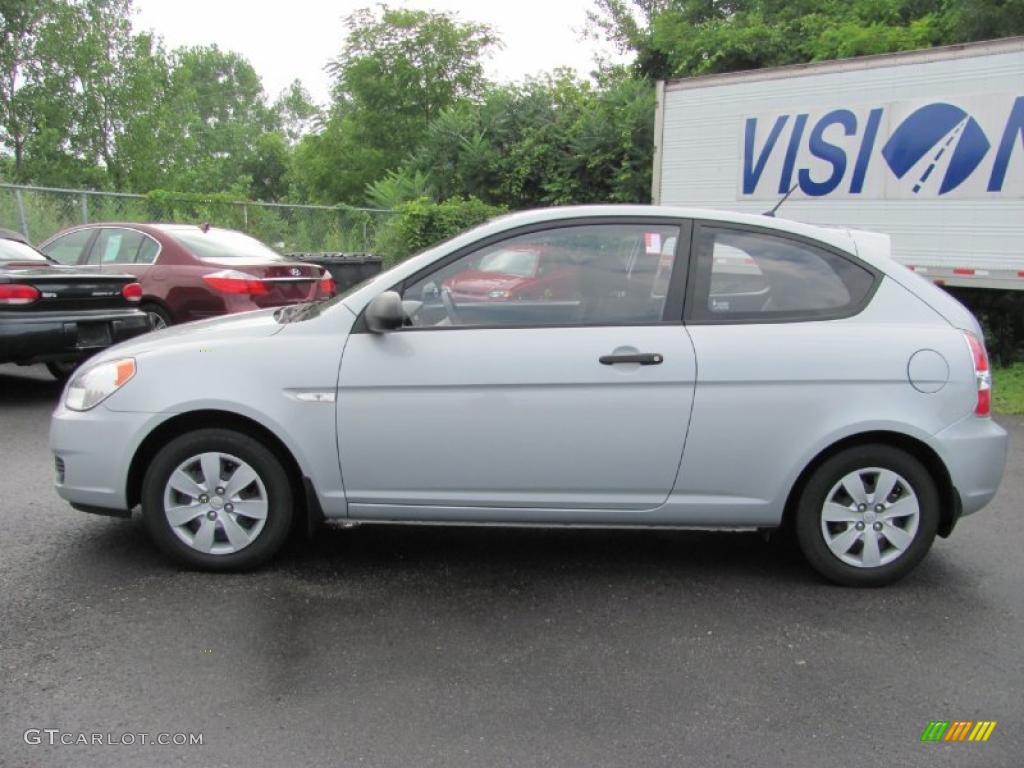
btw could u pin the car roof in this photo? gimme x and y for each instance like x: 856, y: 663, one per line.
x: 173, y: 229
x: 10, y: 234
x: 148, y: 227
x: 837, y: 236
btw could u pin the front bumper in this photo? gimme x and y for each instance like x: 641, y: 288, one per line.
x: 49, y: 336
x: 93, y: 451
x: 974, y: 450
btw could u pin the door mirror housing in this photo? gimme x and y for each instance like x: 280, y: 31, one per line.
x: 385, y: 313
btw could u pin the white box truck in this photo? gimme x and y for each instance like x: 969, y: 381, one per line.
x: 927, y: 146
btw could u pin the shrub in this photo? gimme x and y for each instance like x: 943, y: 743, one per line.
x: 1001, y: 314
x: 421, y: 223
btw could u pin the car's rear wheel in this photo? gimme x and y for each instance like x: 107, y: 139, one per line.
x: 217, y: 500
x: 867, y: 516
x: 158, y: 316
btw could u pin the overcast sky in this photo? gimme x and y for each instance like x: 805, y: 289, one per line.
x: 285, y: 40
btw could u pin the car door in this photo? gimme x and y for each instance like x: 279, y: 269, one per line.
x: 525, y: 403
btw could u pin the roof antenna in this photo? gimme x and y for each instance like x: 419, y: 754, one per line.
x: 784, y: 199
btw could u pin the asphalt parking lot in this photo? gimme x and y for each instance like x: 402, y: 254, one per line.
x: 400, y: 646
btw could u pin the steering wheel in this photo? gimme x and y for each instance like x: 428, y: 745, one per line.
x: 449, y: 305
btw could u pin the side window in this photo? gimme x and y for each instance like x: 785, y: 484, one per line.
x: 147, y: 251
x: 116, y: 246
x: 758, y: 277
x: 68, y: 249
x: 579, y: 275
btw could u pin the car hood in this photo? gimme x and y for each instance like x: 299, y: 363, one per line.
x: 202, y: 334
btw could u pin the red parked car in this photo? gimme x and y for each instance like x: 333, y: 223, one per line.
x: 190, y: 272
x: 517, y: 272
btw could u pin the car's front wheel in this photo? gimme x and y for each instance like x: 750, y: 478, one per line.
x: 867, y: 516
x: 218, y: 500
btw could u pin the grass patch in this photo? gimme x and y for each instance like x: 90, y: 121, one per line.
x: 1008, y: 390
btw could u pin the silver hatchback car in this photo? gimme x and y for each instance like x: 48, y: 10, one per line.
x: 591, y: 366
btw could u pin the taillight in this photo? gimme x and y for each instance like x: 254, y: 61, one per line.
x: 233, y: 281
x: 982, y: 374
x: 327, y: 285
x: 16, y: 295
x: 132, y: 292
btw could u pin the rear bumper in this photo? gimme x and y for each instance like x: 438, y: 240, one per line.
x: 974, y: 451
x: 49, y: 336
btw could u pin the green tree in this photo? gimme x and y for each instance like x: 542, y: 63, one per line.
x: 203, y: 126
x: 267, y: 166
x: 966, y: 20
x: 296, y: 112
x: 145, y: 146
x: 217, y: 111
x: 398, y: 71
x: 548, y: 141
x: 62, y: 85
x: 419, y: 224
x: 682, y: 38
x: 21, y: 24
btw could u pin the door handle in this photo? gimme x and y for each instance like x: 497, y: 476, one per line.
x: 644, y: 358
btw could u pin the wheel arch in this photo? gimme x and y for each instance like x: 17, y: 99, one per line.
x: 949, y: 510
x: 212, y: 418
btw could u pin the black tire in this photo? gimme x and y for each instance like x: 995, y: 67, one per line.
x: 270, y: 471
x: 810, y: 508
x: 62, y: 370
x: 158, y: 316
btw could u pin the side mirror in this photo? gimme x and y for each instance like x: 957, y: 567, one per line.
x: 385, y: 313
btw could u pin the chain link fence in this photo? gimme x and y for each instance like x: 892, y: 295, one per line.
x: 39, y: 212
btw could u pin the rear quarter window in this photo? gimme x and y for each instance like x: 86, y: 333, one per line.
x: 753, y: 276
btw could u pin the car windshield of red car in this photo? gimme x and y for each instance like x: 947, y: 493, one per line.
x: 12, y: 250
x: 223, y: 244
x: 510, y: 262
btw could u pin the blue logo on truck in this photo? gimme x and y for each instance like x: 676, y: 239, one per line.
x: 937, y: 129
x: 835, y: 152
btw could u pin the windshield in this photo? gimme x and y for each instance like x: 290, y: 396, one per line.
x: 223, y: 244
x: 510, y: 262
x: 12, y: 250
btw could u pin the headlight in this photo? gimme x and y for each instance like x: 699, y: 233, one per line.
x: 94, y: 385
x: 498, y: 295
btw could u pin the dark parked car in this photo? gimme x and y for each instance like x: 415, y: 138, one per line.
x: 191, y: 272
x: 59, y: 315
